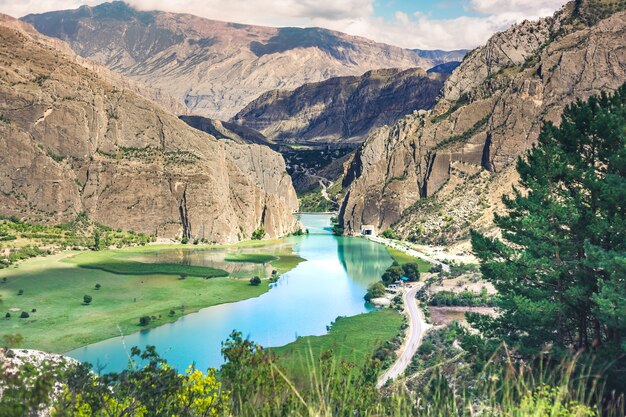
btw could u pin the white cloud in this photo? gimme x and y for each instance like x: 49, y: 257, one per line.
x: 355, y: 17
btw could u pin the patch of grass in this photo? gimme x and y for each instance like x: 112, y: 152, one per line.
x: 404, y: 258
x: 255, y: 258
x: 286, y: 263
x: 56, y: 290
x: 352, y: 339
x: 463, y: 136
x: 107, y: 261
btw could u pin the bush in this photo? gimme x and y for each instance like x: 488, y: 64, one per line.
x: 87, y: 299
x: 34, y: 310
x: 255, y: 281
x: 375, y: 290
x: 20, y: 292
x: 389, y: 233
x: 7, y: 316
x: 24, y: 315
x: 144, y: 320
x: 259, y: 233
x: 184, y: 240
x: 98, y: 286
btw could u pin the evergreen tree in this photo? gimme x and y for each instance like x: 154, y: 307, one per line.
x: 560, y: 266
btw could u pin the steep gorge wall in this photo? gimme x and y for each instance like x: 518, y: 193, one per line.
x: 72, y: 142
x: 435, y: 174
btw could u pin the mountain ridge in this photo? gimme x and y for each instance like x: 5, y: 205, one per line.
x: 216, y: 67
x: 341, y: 109
x: 435, y: 174
x: 72, y: 142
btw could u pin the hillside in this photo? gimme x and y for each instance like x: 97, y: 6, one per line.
x: 342, y: 109
x: 72, y: 142
x: 217, y: 68
x: 436, y: 173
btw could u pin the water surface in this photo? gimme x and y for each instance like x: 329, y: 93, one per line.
x: 330, y: 283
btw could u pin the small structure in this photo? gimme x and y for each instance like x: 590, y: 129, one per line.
x: 396, y: 285
x: 368, y: 230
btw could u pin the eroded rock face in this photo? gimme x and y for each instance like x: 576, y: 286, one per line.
x: 72, y: 142
x: 342, y: 108
x: 217, y: 68
x: 421, y: 174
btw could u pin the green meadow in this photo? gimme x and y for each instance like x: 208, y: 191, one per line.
x: 51, y: 290
x: 351, y: 339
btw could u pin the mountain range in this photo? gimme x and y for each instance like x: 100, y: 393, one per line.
x: 217, y: 68
x: 434, y: 174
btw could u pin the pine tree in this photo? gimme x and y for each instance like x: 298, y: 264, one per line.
x: 560, y: 266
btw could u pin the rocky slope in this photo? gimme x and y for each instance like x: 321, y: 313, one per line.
x: 216, y: 67
x: 228, y: 131
x: 341, y: 109
x: 72, y: 142
x: 434, y: 174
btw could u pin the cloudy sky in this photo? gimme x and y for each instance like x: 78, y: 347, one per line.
x: 424, y: 24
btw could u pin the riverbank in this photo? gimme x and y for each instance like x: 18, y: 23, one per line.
x: 351, y: 339
x: 51, y: 290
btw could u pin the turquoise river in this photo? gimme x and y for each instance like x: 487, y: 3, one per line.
x: 330, y: 283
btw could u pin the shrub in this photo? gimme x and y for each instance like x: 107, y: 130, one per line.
x: 34, y: 310
x: 184, y: 240
x: 375, y: 290
x: 255, y: 281
x: 144, y: 320
x: 20, y: 292
x: 7, y: 316
x: 87, y: 299
x: 98, y: 286
x: 24, y: 315
x: 389, y: 233
x: 259, y: 233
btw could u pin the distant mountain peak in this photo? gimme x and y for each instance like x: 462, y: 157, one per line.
x: 215, y: 67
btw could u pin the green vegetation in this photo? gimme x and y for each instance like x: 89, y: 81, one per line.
x: 58, y: 325
x: 389, y: 233
x: 314, y: 202
x: 25, y: 240
x: 560, y: 267
x: 351, y: 339
x: 463, y: 298
x: 259, y: 233
x: 255, y: 281
x: 112, y: 261
x: 404, y: 258
x: 396, y: 271
x: 375, y: 290
x: 465, y: 135
x: 256, y: 258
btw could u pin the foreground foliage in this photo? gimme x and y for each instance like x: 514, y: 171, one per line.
x: 560, y: 268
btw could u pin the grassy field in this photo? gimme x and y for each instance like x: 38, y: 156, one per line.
x: 55, y: 285
x: 255, y: 258
x: 112, y: 261
x: 353, y: 339
x: 404, y: 258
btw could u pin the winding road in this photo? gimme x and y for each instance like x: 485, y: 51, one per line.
x: 416, y: 330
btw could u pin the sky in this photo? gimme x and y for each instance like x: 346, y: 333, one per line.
x: 422, y: 24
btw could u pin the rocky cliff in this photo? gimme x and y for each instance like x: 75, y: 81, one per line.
x: 216, y: 67
x: 341, y: 109
x: 434, y: 174
x: 72, y: 142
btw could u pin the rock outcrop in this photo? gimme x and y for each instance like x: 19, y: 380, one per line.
x: 342, y: 109
x: 228, y: 131
x: 73, y: 142
x: 434, y: 174
x: 216, y: 67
